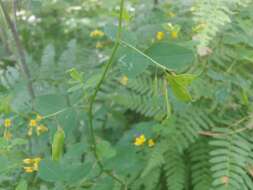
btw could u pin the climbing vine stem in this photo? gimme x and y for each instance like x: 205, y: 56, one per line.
x: 93, y: 99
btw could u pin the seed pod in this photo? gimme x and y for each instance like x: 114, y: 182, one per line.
x: 58, y: 144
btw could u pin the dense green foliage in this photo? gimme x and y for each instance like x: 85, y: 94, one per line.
x: 126, y: 95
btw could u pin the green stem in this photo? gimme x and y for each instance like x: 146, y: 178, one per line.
x: 93, y: 97
x: 166, y: 96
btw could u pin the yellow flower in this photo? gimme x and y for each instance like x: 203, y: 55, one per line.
x: 160, y: 36
x: 33, y: 123
x: 124, y: 80
x: 33, y: 164
x: 36, y: 163
x: 36, y: 166
x: 99, y: 45
x: 7, y: 123
x: 142, y: 137
x: 174, y: 34
x: 30, y: 131
x: 97, y: 33
x: 7, y: 135
x: 39, y: 117
x: 37, y: 160
x: 28, y: 169
x: 151, y: 143
x: 28, y: 161
x: 140, y: 140
x: 41, y: 129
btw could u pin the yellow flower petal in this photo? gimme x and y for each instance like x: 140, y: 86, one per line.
x: 140, y: 140
x: 97, y: 33
x: 7, y: 123
x: 35, y: 166
x: 33, y: 123
x: 143, y: 138
x: 28, y: 161
x: 160, y: 36
x: 30, y: 131
x: 41, y: 129
x: 37, y: 160
x: 124, y: 80
x: 28, y: 169
x: 39, y: 117
x: 174, y: 34
x: 151, y: 143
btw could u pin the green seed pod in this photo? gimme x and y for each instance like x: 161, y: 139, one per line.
x: 58, y: 144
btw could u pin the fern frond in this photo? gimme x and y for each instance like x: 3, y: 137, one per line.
x: 145, y: 86
x: 149, y: 181
x: 229, y: 160
x: 156, y: 158
x: 175, y: 169
x: 187, y: 127
x: 146, y: 105
x: 200, y: 167
x: 213, y: 15
x: 9, y: 77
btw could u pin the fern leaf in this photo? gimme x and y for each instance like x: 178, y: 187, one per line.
x: 213, y: 15
x: 229, y: 160
x: 175, y: 169
x: 156, y: 159
x: 200, y: 167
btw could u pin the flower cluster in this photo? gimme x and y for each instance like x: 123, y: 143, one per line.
x: 97, y: 34
x: 34, y: 124
x: 141, y: 140
x: 7, y: 124
x: 173, y: 29
x: 32, y: 164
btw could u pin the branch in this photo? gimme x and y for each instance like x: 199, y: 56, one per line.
x: 214, y: 134
x: 20, y: 50
x: 14, y: 6
x: 93, y: 99
x: 209, y: 134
